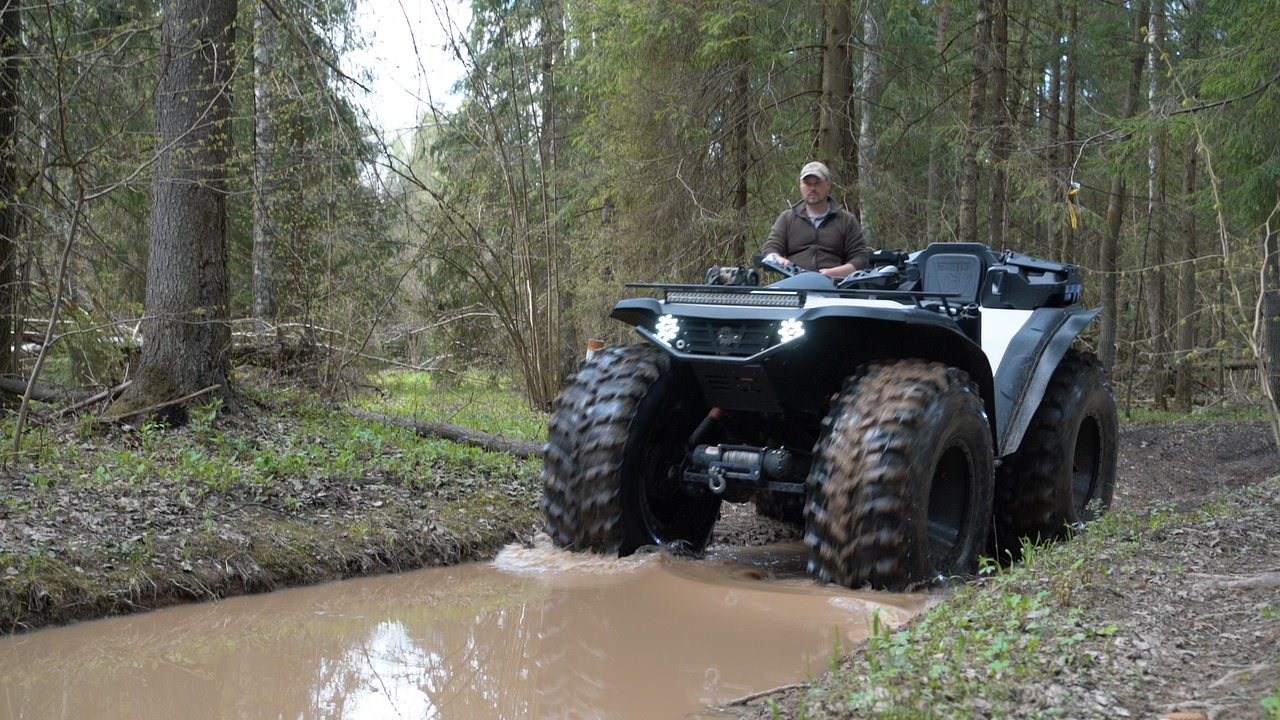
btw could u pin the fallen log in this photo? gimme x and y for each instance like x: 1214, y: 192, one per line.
x: 40, y: 393
x: 456, y: 433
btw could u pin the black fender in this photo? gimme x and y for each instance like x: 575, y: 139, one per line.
x: 1028, y: 364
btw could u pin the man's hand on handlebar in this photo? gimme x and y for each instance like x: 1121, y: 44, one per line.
x: 777, y: 263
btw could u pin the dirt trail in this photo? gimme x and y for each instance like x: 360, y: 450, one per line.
x: 1197, y: 611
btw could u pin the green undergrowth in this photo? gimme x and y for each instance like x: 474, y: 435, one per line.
x: 1144, y: 415
x: 1015, y: 628
x: 107, y: 520
x: 479, y: 402
x: 300, y: 439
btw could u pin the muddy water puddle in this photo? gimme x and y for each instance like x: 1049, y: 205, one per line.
x: 539, y: 633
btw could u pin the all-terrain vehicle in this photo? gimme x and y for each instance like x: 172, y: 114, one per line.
x: 914, y: 416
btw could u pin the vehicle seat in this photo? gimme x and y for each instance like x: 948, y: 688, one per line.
x: 954, y: 273
x: 955, y: 268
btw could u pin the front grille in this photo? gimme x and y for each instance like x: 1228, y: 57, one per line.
x: 735, y: 338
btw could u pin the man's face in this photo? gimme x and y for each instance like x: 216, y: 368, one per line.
x: 814, y: 190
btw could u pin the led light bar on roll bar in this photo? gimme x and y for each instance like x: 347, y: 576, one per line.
x: 727, y: 295
x: 766, y: 299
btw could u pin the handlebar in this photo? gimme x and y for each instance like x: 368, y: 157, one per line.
x: 767, y: 262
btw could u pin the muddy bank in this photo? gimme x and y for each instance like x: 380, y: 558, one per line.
x: 75, y: 547
x: 84, y: 570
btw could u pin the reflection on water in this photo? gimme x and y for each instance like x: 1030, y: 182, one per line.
x: 538, y: 634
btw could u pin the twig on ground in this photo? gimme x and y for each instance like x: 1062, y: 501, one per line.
x: 97, y: 397
x: 1229, y: 677
x: 456, y: 433
x: 1258, y: 581
x: 764, y: 693
x: 241, y: 506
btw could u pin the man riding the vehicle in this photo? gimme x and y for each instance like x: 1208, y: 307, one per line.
x: 818, y: 233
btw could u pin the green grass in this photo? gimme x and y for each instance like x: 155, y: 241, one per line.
x: 1144, y: 415
x: 1272, y: 704
x: 479, y: 402
x: 1018, y: 628
x: 300, y: 439
x: 1021, y: 626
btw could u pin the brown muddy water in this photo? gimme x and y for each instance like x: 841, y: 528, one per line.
x: 538, y: 633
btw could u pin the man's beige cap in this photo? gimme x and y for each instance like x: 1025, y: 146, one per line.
x: 815, y: 168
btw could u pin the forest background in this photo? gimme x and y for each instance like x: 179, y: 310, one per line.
x: 199, y: 174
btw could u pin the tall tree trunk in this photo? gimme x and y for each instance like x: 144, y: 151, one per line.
x: 558, y: 341
x: 869, y: 134
x: 10, y: 222
x: 1116, y: 201
x: 1069, y: 123
x: 187, y: 347
x: 1157, y: 301
x: 933, y: 201
x: 1188, y: 315
x: 265, y: 39
x: 970, y: 178
x: 741, y: 140
x: 1053, y: 122
x: 836, y: 139
x: 1189, y: 294
x: 1001, y: 120
x: 570, y: 346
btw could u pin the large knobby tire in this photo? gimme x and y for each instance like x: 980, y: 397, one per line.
x: 900, y: 491
x: 1064, y: 471
x: 612, y: 469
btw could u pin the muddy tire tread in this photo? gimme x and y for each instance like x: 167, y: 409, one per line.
x: 586, y: 438
x: 860, y: 504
